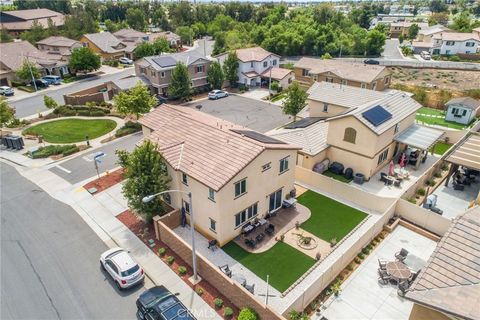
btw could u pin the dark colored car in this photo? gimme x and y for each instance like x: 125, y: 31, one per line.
x: 371, y: 61
x: 158, y: 303
x: 40, y: 83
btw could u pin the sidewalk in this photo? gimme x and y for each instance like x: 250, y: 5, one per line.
x: 101, y: 218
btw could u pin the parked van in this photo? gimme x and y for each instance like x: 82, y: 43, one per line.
x: 53, y: 79
x: 425, y: 55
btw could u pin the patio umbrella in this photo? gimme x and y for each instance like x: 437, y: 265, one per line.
x: 403, y: 158
x: 391, y: 166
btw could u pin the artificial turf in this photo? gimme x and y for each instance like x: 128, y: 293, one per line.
x: 441, y: 148
x: 71, y: 130
x: 283, y: 263
x: 330, y: 219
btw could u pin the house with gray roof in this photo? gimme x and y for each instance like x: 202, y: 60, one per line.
x: 105, y: 44
x: 158, y: 69
x: 462, y: 110
x: 17, y: 21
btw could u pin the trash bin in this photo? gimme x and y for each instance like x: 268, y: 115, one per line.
x: 358, y: 178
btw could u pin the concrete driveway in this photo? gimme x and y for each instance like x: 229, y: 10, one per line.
x: 391, y: 50
x: 253, y: 114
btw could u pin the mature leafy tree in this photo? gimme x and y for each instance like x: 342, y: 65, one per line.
x: 462, y: 22
x: 219, y: 45
x: 35, y: 34
x: 160, y: 19
x: 439, y: 17
x: 413, y: 31
x: 230, y: 68
x: 115, y: 26
x: 78, y: 24
x: 199, y: 29
x: 49, y: 102
x: 26, y: 71
x: 181, y: 14
x: 180, y: 84
x: 135, y: 101
x: 438, y: 6
x: 161, y: 45
x: 5, y: 36
x: 186, y: 34
x: 136, y: 19
x: 84, y: 60
x: 215, y: 76
x: 144, y: 49
x: 375, y: 42
x: 7, y: 113
x: 146, y: 174
x: 295, y: 100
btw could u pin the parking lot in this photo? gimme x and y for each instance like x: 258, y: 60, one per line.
x: 253, y: 114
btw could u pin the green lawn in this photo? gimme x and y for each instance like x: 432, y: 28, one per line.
x: 431, y: 111
x: 330, y: 219
x: 442, y: 147
x: 283, y: 263
x: 71, y: 130
x: 335, y: 176
x: 440, y: 122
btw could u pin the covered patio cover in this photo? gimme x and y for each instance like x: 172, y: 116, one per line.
x: 467, y: 153
x: 419, y: 137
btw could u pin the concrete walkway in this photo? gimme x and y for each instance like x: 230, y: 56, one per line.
x: 99, y: 213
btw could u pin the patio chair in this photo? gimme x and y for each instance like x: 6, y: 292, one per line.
x: 259, y: 237
x: 270, y: 229
x: 413, y: 276
x: 382, y: 264
x: 402, y: 288
x: 383, y: 177
x: 401, y: 255
x: 212, y: 244
x: 384, y: 276
x: 250, y: 243
x: 458, y: 186
x: 225, y: 269
x: 250, y: 288
x: 398, y: 183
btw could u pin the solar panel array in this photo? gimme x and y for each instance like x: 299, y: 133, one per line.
x: 258, y: 136
x: 164, y: 62
x: 303, y: 123
x: 377, y: 115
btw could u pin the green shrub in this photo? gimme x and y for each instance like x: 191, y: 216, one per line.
x: 162, y: 251
x: 170, y: 260
x: 182, y: 270
x: 228, y: 313
x: 218, y: 303
x: 47, y: 151
x: 361, y: 255
x: 199, y: 291
x: 421, y: 192
x: 369, y: 247
x: 357, y: 260
x: 70, y: 151
x: 128, y: 128
x: 350, y: 267
x: 84, y: 113
x: 437, y: 174
x: 16, y: 84
x: 430, y: 182
x: 97, y: 113
x: 412, y: 200
x: 365, y: 251
x: 14, y: 123
x: 454, y: 58
x: 444, y: 167
x: 248, y: 314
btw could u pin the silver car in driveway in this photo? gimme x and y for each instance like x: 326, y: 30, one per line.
x: 6, y: 91
x: 122, y: 268
x: 217, y: 94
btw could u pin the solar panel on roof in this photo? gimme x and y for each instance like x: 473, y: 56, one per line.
x: 377, y: 115
x: 165, y: 61
x: 303, y: 123
x: 258, y: 137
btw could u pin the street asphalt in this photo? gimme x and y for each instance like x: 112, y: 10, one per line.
x: 391, y: 50
x: 82, y: 167
x: 50, y: 260
x: 251, y: 113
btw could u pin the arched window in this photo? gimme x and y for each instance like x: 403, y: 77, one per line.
x: 350, y: 135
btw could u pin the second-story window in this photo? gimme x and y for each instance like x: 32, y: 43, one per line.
x: 305, y: 72
x: 469, y: 44
x: 200, y: 69
x: 329, y: 79
x: 363, y: 85
x: 265, y: 64
x: 450, y: 43
x: 211, y: 194
x: 162, y: 74
x: 142, y: 70
x: 251, y: 64
x: 325, y: 107
x: 266, y: 166
x: 350, y: 135
x: 184, y: 179
x: 240, y: 187
x: 274, y: 62
x: 284, y: 164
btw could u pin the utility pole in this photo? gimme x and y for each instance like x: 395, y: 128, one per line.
x: 31, y: 73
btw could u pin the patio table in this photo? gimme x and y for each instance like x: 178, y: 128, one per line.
x: 262, y: 221
x: 248, y: 228
x: 398, y: 270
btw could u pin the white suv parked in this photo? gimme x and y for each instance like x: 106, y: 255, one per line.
x: 121, y: 267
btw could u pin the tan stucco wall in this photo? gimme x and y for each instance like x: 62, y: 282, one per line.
x: 422, y: 313
x: 365, y: 142
x: 309, y: 161
x: 259, y: 186
x: 316, y: 109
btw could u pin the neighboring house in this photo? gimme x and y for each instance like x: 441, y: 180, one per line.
x: 403, y: 27
x: 252, y: 65
x: 173, y: 39
x: 18, y: 21
x: 58, y: 45
x: 131, y: 38
x: 235, y: 174
x: 105, y: 44
x: 309, y: 70
x: 363, y: 136
x: 13, y: 54
x: 462, y: 110
x: 284, y: 77
x: 158, y: 69
x: 424, y: 40
x: 125, y: 84
x: 448, y: 43
x: 448, y: 287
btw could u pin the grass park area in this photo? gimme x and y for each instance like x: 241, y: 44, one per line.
x: 330, y: 219
x: 71, y: 130
x: 283, y: 263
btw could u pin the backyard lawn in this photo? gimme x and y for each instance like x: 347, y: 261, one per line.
x: 283, y: 263
x: 330, y: 219
x: 436, y: 117
x: 71, y: 130
x: 336, y: 176
x: 442, y: 147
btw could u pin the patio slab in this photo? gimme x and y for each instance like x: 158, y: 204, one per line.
x: 321, y: 247
x: 455, y: 202
x: 363, y: 297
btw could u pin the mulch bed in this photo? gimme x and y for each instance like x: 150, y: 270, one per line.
x: 145, y: 232
x: 107, y: 181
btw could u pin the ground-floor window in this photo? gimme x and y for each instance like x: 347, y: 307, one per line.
x: 275, y: 201
x: 213, y: 225
x: 246, y: 214
x: 186, y: 206
x: 382, y: 157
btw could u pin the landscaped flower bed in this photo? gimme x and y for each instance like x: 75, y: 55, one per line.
x: 209, y: 294
x: 107, y: 181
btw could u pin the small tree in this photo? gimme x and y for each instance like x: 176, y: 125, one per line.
x: 49, y: 102
x: 7, y: 113
x: 161, y: 46
x: 295, y: 100
x: 326, y: 56
x: 144, y: 49
x: 230, y: 68
x: 27, y: 70
x: 248, y: 314
x: 180, y: 83
x: 413, y: 31
x: 84, y: 60
x: 215, y: 76
x: 135, y: 101
x: 186, y: 34
x: 146, y: 174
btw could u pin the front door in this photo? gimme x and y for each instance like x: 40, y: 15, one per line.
x: 275, y: 201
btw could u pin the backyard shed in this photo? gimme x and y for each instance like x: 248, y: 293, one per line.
x: 462, y: 110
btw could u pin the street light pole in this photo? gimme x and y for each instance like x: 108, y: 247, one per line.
x: 149, y: 198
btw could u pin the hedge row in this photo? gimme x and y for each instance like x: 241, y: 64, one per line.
x: 128, y: 128
x: 86, y: 111
x: 65, y: 150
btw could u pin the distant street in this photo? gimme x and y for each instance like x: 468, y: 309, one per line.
x: 391, y: 50
x: 50, y: 266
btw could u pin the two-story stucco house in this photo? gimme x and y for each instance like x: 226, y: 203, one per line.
x: 363, y: 136
x: 310, y: 70
x: 403, y: 28
x: 158, y: 69
x: 462, y: 110
x: 58, y: 45
x: 448, y: 43
x: 235, y: 175
x: 254, y: 67
x: 105, y: 44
